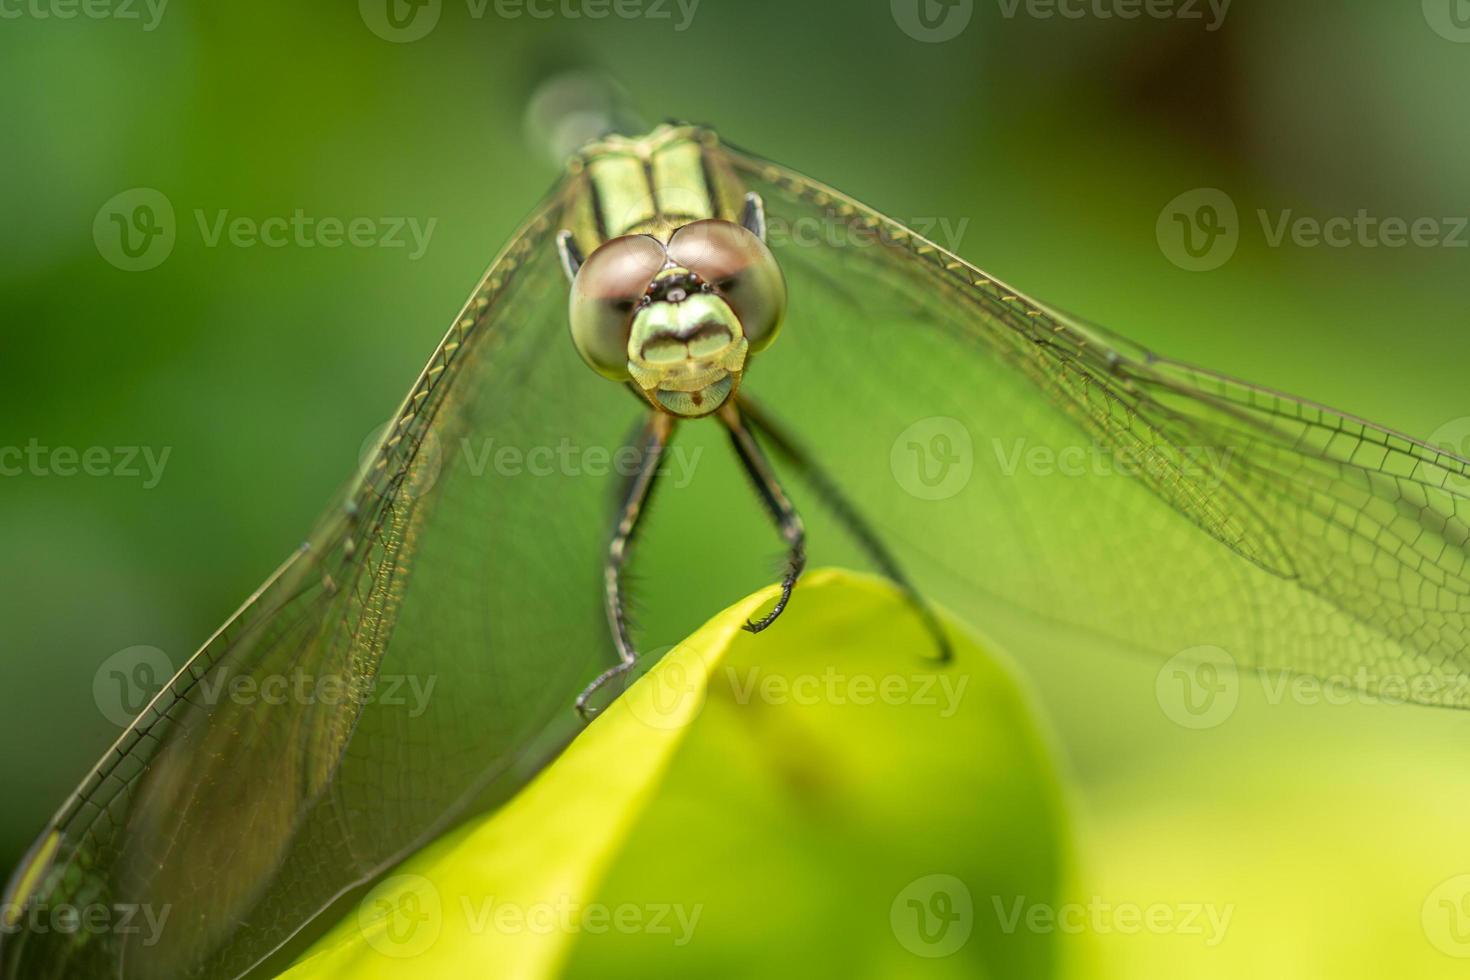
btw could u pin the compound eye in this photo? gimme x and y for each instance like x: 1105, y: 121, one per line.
x: 742, y: 271
x: 605, y: 296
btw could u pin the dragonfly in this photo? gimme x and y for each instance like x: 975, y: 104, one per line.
x: 900, y: 393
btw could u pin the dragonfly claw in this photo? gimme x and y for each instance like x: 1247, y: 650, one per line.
x: 755, y: 626
x: 583, y: 711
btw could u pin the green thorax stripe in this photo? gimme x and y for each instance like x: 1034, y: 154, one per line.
x: 649, y: 185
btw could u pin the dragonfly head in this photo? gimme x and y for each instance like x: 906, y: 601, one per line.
x: 678, y: 320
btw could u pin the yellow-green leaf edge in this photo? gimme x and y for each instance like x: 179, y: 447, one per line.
x: 562, y: 833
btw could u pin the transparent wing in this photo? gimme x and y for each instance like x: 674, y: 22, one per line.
x: 1025, y: 462
x: 417, y: 657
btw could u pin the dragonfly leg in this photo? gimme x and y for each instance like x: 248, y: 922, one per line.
x: 847, y: 515
x: 788, y: 522
x: 656, y: 434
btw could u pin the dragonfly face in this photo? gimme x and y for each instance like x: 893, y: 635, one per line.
x: 678, y: 319
x: 674, y: 295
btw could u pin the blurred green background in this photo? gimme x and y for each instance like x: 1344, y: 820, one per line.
x: 1051, y: 145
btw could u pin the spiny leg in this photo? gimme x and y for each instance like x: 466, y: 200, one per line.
x: 655, y: 439
x: 788, y: 522
x: 847, y: 515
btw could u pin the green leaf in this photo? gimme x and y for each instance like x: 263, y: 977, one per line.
x: 820, y: 799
